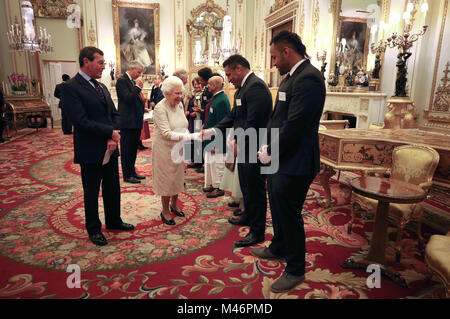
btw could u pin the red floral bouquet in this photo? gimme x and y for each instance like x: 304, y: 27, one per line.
x: 18, y: 82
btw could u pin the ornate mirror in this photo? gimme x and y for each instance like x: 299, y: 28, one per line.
x: 205, y: 32
x: 353, y: 61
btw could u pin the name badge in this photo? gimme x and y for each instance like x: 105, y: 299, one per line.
x: 211, y: 110
x: 282, y: 96
x: 205, y: 98
x: 238, y: 102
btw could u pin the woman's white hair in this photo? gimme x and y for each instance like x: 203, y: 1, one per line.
x: 170, y: 84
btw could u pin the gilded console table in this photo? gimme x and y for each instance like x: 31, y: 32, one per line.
x: 18, y: 108
x: 366, y: 151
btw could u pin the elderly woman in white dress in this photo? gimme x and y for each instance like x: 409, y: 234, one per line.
x: 171, y: 128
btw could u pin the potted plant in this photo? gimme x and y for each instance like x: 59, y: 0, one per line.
x: 18, y: 83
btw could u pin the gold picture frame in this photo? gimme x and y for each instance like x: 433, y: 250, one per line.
x: 360, y: 30
x: 136, y: 36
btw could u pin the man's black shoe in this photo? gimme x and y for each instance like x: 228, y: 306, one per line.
x: 141, y: 148
x: 122, y: 226
x: 139, y: 177
x: 238, y: 212
x: 200, y: 170
x: 132, y: 180
x: 194, y: 165
x: 233, y: 204
x: 98, y: 239
x: 249, y: 240
x: 2, y: 140
x: 239, y: 221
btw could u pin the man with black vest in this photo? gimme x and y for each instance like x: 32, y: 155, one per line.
x: 131, y: 109
x: 95, y: 138
x: 297, y: 112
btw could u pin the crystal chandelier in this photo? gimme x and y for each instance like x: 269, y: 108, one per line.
x: 229, y: 46
x: 25, y: 39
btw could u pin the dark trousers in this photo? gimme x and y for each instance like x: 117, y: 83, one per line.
x: 129, y: 141
x: 66, y: 125
x: 287, y: 193
x: 92, y: 175
x: 254, y: 193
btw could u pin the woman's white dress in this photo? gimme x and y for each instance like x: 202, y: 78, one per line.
x: 168, y: 175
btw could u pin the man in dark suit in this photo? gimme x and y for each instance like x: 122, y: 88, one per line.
x: 251, y: 111
x: 131, y: 109
x: 65, y: 123
x: 156, y: 94
x: 296, y: 115
x: 96, y: 136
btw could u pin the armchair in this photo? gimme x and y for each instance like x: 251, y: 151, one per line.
x: 414, y: 164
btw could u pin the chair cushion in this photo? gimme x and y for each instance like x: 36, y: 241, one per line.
x: 437, y: 255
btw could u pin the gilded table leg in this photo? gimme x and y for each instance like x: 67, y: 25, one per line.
x: 324, y: 176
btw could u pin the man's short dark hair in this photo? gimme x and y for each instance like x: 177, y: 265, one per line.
x: 65, y: 77
x: 205, y: 73
x: 88, y: 52
x: 236, y: 59
x: 291, y: 40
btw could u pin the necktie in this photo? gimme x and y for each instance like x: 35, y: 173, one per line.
x: 98, y: 88
x: 285, y: 79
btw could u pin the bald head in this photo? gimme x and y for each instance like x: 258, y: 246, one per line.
x: 215, y: 84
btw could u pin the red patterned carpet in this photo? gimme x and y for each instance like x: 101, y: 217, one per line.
x: 42, y: 232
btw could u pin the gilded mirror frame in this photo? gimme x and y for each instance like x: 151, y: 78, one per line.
x: 210, y: 7
x: 335, y: 10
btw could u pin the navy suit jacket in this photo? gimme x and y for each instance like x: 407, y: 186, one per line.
x: 297, y: 118
x: 131, y: 106
x: 253, y: 112
x: 93, y: 118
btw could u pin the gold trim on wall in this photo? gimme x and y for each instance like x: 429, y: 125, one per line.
x: 51, y: 9
x: 438, y: 56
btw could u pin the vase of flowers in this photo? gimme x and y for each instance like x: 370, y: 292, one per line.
x: 18, y: 83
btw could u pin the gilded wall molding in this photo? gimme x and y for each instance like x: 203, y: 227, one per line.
x: 315, y: 21
x: 92, y: 35
x: 442, y: 97
x: 180, y: 37
x: 51, y: 8
x: 301, y: 28
x: 279, y: 4
x: 290, y: 10
x: 438, y: 55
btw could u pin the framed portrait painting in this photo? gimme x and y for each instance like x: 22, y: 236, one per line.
x: 356, y: 32
x: 136, y: 35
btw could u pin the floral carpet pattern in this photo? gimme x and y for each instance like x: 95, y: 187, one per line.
x: 42, y: 232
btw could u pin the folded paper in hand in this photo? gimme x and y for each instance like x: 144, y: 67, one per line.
x: 148, y: 116
x: 106, y: 157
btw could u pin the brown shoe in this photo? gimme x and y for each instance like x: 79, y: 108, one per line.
x: 208, y: 189
x: 286, y: 282
x: 216, y: 193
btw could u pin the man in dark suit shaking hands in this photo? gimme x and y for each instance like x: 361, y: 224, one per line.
x: 96, y: 123
x: 296, y: 115
x: 251, y: 112
x: 131, y: 109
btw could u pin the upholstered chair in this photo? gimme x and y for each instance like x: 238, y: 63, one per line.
x: 437, y: 257
x: 414, y: 164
